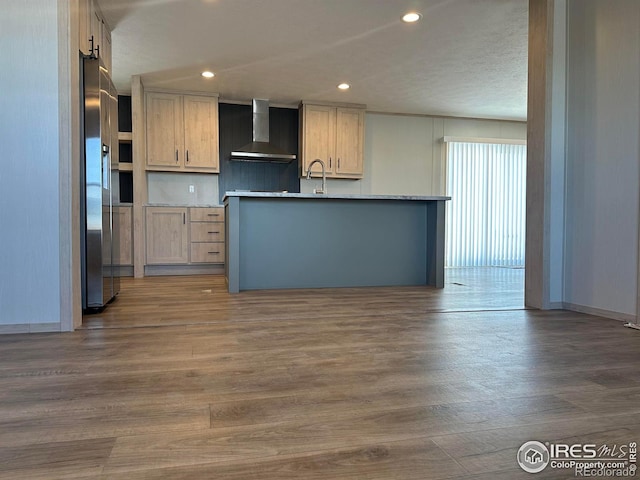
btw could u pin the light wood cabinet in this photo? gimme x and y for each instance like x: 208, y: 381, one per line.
x: 167, y: 235
x: 94, y: 35
x: 207, y: 252
x: 105, y: 48
x: 182, y: 132
x: 201, y: 132
x: 207, y: 214
x: 349, y: 142
x: 318, y: 137
x: 165, y: 129
x: 95, y: 32
x: 122, y: 216
x: 206, y: 232
x: 335, y: 135
x: 183, y: 236
x: 85, y: 13
x: 207, y: 235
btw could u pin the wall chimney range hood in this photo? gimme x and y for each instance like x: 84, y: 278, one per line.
x: 260, y: 150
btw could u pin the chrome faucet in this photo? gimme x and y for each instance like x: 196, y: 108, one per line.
x: 324, y: 176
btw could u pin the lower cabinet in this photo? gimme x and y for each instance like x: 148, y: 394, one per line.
x: 183, y: 236
x: 206, y: 227
x: 167, y: 236
x: 122, y: 216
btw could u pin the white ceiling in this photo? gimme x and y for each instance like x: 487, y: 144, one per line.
x: 464, y: 58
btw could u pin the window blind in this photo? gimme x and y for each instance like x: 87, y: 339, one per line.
x: 486, y: 214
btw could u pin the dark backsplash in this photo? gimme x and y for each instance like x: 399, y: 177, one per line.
x: 236, y: 131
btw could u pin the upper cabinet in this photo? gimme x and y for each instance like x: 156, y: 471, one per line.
x: 318, y: 132
x: 349, y: 142
x: 182, y: 132
x: 105, y: 48
x: 335, y: 135
x: 94, y: 35
x: 85, y: 12
x: 201, y: 132
x: 165, y: 129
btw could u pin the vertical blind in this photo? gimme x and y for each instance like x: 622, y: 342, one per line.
x: 486, y: 214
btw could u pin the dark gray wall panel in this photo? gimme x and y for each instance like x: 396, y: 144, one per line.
x: 236, y: 131
x: 298, y: 243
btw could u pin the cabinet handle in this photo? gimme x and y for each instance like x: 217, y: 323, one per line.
x: 213, y: 232
x: 213, y: 214
x: 212, y: 253
x: 95, y: 49
x: 184, y: 218
x: 338, y: 162
x: 187, y: 156
x: 176, y: 156
x: 329, y: 162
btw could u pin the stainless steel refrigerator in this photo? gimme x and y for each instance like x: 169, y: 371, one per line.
x: 98, y: 176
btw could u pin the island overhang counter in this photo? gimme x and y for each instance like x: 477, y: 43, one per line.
x: 298, y: 240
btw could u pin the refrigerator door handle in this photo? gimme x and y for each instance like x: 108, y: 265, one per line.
x: 106, y: 167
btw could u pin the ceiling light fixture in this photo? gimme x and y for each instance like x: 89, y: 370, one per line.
x: 344, y: 86
x: 411, y: 17
x: 208, y: 74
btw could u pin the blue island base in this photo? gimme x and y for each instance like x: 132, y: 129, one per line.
x: 283, y: 241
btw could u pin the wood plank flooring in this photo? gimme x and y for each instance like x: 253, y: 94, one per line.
x: 162, y: 301
x: 178, y: 380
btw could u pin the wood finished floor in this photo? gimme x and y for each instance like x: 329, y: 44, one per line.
x: 316, y: 384
x: 162, y: 301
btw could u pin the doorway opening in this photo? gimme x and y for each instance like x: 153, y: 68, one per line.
x: 485, y: 220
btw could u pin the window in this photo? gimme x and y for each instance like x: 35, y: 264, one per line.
x: 486, y: 214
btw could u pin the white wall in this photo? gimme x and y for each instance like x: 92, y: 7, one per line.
x: 556, y: 153
x: 400, y: 154
x: 29, y: 177
x: 404, y: 154
x: 603, y: 119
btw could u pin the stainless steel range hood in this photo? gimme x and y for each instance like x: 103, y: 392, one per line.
x: 260, y: 150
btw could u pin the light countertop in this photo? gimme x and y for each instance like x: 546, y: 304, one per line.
x: 179, y: 205
x: 333, y: 196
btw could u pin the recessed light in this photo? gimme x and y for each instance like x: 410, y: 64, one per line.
x: 344, y: 86
x: 208, y: 74
x: 411, y: 17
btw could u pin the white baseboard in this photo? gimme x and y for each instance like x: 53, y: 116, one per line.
x: 556, y: 306
x: 30, y: 328
x: 598, y: 312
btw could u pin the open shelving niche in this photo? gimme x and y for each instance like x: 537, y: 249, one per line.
x: 125, y: 147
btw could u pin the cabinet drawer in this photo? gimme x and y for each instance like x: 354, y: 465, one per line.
x: 207, y: 253
x: 214, y: 214
x: 207, y: 232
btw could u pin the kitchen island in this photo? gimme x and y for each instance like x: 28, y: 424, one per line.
x: 298, y: 240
